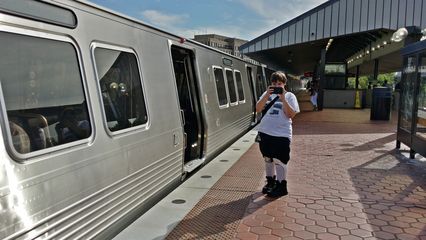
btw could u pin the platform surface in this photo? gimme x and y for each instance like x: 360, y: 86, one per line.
x: 346, y: 181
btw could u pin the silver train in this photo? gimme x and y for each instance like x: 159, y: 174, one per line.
x: 102, y: 115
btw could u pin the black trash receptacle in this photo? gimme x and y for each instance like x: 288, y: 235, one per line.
x: 381, y: 103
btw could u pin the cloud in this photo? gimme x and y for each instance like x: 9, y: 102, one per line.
x: 265, y: 15
x: 174, y: 24
x: 164, y: 20
x: 279, y: 11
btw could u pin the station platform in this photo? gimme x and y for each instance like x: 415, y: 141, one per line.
x: 346, y: 181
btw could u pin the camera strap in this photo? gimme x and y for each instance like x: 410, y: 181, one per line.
x: 268, y: 106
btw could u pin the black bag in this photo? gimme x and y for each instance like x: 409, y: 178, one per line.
x: 264, y: 111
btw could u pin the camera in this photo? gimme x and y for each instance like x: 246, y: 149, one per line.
x: 277, y: 90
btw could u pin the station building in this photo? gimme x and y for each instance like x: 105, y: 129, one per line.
x: 341, y: 38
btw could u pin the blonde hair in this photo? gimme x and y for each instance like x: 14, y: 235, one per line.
x: 279, y: 77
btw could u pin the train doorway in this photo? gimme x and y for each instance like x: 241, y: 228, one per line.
x: 189, y: 99
x: 252, y: 90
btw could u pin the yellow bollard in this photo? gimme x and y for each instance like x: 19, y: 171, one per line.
x: 357, y: 100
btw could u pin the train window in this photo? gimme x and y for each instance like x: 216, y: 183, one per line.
x: 121, y: 88
x: 260, y: 85
x: 43, y: 92
x: 239, y: 86
x: 231, y: 86
x: 220, y: 86
x: 40, y: 11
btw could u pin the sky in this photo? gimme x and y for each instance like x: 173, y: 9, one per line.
x: 243, y: 19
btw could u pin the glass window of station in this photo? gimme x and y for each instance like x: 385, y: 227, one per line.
x: 421, y: 109
x: 407, y: 98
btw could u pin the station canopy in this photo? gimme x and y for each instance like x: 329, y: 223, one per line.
x: 355, y: 32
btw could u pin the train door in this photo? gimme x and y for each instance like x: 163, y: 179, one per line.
x: 183, y: 64
x: 253, y: 92
x: 260, y: 82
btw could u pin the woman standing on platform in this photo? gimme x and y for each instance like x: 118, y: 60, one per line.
x: 313, y: 92
x: 275, y: 131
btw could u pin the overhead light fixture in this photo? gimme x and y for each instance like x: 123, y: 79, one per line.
x: 399, y: 35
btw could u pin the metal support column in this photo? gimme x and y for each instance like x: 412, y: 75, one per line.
x: 357, y: 77
x: 321, y: 83
x: 376, y: 69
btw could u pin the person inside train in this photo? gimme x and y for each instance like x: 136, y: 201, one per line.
x: 70, y: 128
x: 275, y: 131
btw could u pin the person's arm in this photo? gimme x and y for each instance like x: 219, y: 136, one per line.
x: 260, y: 105
x: 287, y: 109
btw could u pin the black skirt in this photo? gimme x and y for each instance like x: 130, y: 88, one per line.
x: 275, y: 147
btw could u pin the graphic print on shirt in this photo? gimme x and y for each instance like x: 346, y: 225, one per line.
x: 275, y: 109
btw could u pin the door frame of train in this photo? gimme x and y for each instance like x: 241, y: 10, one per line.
x: 250, y: 79
x: 194, y: 155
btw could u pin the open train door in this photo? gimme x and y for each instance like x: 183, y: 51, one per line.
x: 253, y: 93
x: 189, y: 99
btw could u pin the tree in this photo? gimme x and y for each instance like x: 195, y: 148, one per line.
x: 364, y: 80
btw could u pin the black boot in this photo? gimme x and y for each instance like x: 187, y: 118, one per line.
x: 270, y: 183
x: 279, y: 190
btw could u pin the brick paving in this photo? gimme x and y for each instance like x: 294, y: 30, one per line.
x: 346, y: 181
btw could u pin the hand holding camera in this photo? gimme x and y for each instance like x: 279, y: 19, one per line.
x: 276, y: 90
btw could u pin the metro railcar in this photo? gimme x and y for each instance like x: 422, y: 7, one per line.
x: 102, y: 115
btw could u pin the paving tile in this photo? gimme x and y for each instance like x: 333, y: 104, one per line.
x: 335, y: 218
x: 361, y: 233
x: 284, y: 219
x: 284, y: 233
x: 327, y: 236
x: 350, y: 237
x: 326, y: 223
x: 391, y: 229
x: 269, y: 237
x: 338, y: 231
x: 260, y: 230
x: 294, y: 227
x: 304, y: 235
x: 316, y: 229
x: 305, y: 222
x: 384, y: 235
x: 413, y: 231
x: 406, y: 219
x: 247, y: 236
x: 264, y: 217
x: 356, y: 220
x: 405, y: 236
x: 347, y: 225
x: 273, y: 225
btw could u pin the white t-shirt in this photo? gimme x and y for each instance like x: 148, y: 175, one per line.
x: 275, y: 122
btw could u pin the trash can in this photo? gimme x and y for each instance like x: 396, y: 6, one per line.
x: 381, y: 103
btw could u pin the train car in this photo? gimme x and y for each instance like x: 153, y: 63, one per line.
x: 102, y: 115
